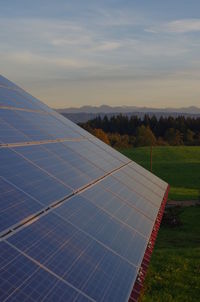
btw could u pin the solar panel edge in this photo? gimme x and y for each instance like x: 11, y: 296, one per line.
x: 138, y: 285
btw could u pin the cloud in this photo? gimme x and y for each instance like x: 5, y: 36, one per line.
x: 177, y: 26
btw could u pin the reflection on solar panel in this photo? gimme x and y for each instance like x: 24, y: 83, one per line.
x: 78, y: 220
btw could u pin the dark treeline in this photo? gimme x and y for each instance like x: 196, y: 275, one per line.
x: 121, y: 130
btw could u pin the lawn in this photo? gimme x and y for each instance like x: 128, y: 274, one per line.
x: 174, y: 272
x: 179, y: 166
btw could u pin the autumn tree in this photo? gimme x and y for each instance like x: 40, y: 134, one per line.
x: 99, y: 133
x: 145, y: 137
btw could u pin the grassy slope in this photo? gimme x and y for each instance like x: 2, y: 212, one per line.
x: 174, y: 272
x: 179, y: 166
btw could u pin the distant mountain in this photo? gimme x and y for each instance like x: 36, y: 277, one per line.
x: 86, y: 113
x: 127, y: 109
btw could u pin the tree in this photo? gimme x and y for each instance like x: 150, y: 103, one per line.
x: 189, y: 137
x: 99, y: 133
x: 119, y: 141
x: 174, y: 137
x: 145, y: 137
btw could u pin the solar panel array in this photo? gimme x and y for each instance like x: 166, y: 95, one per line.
x: 75, y: 215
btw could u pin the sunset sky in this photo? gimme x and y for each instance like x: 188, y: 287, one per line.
x: 92, y: 52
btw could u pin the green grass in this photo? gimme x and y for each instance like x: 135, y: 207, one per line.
x: 179, y: 166
x: 174, y: 272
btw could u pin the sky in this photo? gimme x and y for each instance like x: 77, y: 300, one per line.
x: 71, y: 53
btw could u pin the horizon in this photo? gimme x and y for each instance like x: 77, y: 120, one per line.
x: 126, y: 106
x: 112, y: 52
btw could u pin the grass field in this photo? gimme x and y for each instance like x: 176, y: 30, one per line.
x: 179, y: 166
x: 174, y: 272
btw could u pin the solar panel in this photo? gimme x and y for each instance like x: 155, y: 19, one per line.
x: 78, y: 220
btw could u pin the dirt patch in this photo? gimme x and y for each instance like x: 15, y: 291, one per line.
x: 182, y: 203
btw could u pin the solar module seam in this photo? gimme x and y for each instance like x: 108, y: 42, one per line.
x: 38, y: 111
x: 21, y: 91
x: 85, y: 158
x: 127, y: 202
x: 82, y: 231
x: 40, y: 265
x: 143, y: 184
x: 44, y: 213
x: 14, y: 226
x: 116, y: 218
x: 22, y: 109
x: 42, y: 142
x: 91, y: 139
x: 42, y: 169
x: 146, y: 176
x: 57, y: 203
x: 116, y: 178
x: 11, y: 126
x: 19, y: 131
x: 26, y: 120
x: 139, y: 194
x: 50, y: 174
x: 55, y: 115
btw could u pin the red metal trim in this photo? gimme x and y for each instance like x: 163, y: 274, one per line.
x: 139, y: 283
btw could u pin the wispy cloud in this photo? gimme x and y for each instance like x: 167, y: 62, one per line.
x: 177, y: 26
x: 98, y: 47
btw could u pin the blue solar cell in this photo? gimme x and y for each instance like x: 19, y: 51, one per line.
x: 5, y: 82
x: 72, y: 125
x: 31, y: 179
x: 119, y: 156
x: 141, y: 203
x: 119, y: 209
x: 40, y: 106
x: 97, y: 157
x: 144, y: 181
x: 76, y: 160
x: 138, y: 187
x: 15, y: 205
x: 152, y: 177
x: 23, y: 280
x: 13, y: 98
x: 9, y: 134
x: 103, y: 199
x: 48, y: 124
x: 105, y: 228
x: 29, y: 128
x: 62, y: 170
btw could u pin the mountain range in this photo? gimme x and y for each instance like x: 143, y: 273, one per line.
x: 85, y: 113
x: 126, y: 109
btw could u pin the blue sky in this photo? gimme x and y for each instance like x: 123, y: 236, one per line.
x: 115, y: 52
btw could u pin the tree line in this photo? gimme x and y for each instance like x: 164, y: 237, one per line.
x: 122, y: 131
